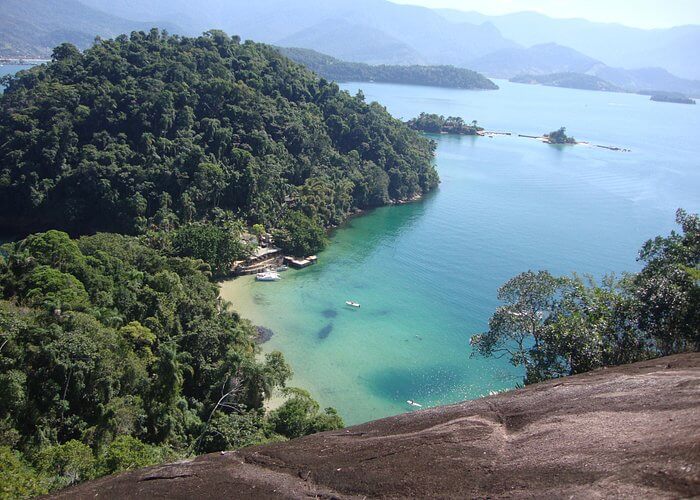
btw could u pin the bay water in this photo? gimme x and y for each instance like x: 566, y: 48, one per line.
x: 427, y: 273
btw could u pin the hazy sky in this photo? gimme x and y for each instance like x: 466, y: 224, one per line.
x: 640, y: 13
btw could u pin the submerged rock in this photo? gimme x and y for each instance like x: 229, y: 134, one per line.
x: 630, y: 431
x: 264, y: 334
x: 325, y: 331
x: 329, y: 313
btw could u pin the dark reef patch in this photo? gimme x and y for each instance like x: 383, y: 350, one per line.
x: 422, y: 384
x: 264, y: 334
x: 325, y: 331
x: 329, y: 313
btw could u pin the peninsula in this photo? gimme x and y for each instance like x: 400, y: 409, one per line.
x: 341, y: 71
x: 568, y: 80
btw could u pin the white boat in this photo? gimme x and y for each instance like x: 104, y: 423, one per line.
x: 282, y: 268
x: 352, y: 304
x: 267, y: 276
x: 413, y: 403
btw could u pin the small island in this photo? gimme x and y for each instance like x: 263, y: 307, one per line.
x: 559, y: 137
x: 438, y: 124
x: 671, y: 97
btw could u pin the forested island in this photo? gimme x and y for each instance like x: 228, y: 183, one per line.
x: 568, y: 80
x: 437, y: 124
x: 559, y: 137
x: 115, y: 349
x: 671, y: 97
x: 341, y: 71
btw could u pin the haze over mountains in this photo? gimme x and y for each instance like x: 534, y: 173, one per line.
x: 674, y: 49
x: 381, y: 32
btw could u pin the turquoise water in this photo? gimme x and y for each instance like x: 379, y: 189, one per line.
x: 10, y: 69
x: 426, y: 274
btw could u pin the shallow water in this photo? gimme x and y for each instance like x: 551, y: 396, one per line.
x: 427, y: 273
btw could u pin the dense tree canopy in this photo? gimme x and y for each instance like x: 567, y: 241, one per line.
x: 562, y: 326
x: 438, y: 124
x: 115, y: 355
x: 157, y: 130
x: 559, y: 137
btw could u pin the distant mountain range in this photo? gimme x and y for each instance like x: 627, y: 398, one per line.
x: 380, y: 32
x: 674, y: 49
x: 34, y: 27
x: 549, y: 62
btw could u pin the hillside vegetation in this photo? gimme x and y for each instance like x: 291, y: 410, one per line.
x: 158, y: 130
x: 114, y: 355
x: 342, y: 71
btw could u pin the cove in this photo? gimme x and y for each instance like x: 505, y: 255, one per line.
x: 427, y: 273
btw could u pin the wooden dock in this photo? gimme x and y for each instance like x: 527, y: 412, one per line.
x: 297, y: 263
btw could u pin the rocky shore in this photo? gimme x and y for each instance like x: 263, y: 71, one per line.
x: 630, y: 431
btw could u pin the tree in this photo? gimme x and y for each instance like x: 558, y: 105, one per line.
x: 563, y: 326
x: 217, y: 245
x: 17, y: 478
x: 668, y: 288
x: 518, y: 326
x: 560, y: 137
x: 259, y: 231
x: 128, y: 453
x: 67, y: 463
x: 299, y: 415
x: 299, y: 235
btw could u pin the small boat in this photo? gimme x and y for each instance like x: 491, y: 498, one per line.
x: 282, y: 268
x: 352, y: 304
x: 413, y: 403
x: 267, y: 276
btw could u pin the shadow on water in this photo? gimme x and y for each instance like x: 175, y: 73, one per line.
x: 261, y: 300
x: 325, y: 331
x: 420, y: 384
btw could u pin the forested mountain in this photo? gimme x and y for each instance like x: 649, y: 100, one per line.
x: 157, y: 130
x: 341, y: 71
x: 32, y: 28
x: 674, y: 49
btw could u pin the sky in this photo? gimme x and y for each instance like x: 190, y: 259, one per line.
x: 637, y: 13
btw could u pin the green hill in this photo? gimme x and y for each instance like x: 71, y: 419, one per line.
x: 163, y: 130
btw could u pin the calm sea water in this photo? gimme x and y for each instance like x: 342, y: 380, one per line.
x: 426, y: 274
x: 11, y: 69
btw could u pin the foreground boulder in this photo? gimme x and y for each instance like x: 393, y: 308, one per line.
x: 630, y: 431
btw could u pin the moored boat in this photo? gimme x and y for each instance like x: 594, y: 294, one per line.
x: 267, y: 276
x: 352, y: 303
